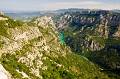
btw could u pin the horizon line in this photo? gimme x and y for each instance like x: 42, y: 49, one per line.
x: 54, y: 10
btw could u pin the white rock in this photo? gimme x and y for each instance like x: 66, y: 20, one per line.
x: 2, y: 18
x: 23, y: 74
x: 3, y: 73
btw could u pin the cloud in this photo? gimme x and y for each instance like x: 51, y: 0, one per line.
x: 36, y: 5
x: 83, y: 4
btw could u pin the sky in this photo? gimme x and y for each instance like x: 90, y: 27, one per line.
x: 38, y: 5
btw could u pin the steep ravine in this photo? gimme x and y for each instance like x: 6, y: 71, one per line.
x: 94, y: 34
x: 33, y: 51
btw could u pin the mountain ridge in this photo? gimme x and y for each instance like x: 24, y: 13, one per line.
x: 33, y: 51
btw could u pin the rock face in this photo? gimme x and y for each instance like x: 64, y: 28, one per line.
x: 3, y: 73
x: 44, y: 21
x: 93, y: 23
x: 18, y: 38
x: 34, y: 52
x: 94, y: 46
x: 1, y: 18
x: 94, y: 34
x: 117, y: 33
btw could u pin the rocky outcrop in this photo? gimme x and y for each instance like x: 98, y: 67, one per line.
x: 44, y: 22
x: 103, y: 28
x: 4, y: 19
x: 101, y: 25
x: 4, y: 74
x: 117, y: 33
x: 18, y: 38
x: 105, y: 23
x: 34, y: 52
x: 94, y: 46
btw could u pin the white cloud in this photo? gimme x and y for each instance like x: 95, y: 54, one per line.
x: 36, y: 5
x: 82, y: 4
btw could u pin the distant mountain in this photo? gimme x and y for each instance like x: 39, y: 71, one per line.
x: 26, y: 16
x: 117, y: 11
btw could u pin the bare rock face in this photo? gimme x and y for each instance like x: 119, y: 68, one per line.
x: 94, y: 46
x: 4, y: 74
x: 18, y: 38
x: 98, y: 24
x: 103, y: 22
x: 2, y: 18
x: 28, y: 59
x: 44, y: 22
x: 117, y: 34
x: 103, y: 28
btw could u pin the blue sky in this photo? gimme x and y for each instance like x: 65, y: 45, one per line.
x: 37, y: 5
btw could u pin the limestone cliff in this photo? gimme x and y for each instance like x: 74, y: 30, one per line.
x: 94, y: 34
x: 32, y: 51
x: 99, y: 24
